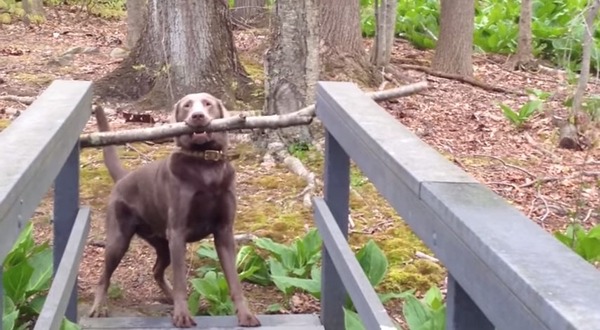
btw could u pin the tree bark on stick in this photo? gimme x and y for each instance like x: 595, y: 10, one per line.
x: 301, y: 117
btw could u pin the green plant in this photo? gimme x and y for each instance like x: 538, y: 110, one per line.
x: 27, y: 275
x: 428, y: 313
x: 294, y: 260
x: 583, y: 242
x: 213, y: 288
x: 251, y: 267
x: 518, y: 118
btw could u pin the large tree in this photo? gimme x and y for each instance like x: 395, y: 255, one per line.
x: 385, y: 17
x: 187, y: 46
x: 292, y: 63
x: 454, y: 48
x: 342, y: 52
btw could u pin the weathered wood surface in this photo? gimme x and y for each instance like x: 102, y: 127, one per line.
x: 57, y: 300
x: 33, y: 149
x: 517, y: 274
x: 349, y: 271
x: 271, y: 322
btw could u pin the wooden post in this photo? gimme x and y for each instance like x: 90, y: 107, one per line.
x: 66, y: 206
x: 462, y: 312
x: 337, y: 190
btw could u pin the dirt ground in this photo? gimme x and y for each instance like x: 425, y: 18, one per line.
x: 462, y: 122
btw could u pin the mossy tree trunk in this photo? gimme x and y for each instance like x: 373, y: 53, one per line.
x: 454, y: 49
x: 292, y: 63
x: 342, y: 52
x: 186, y: 47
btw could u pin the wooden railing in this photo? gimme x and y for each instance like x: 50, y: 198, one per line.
x: 504, y: 271
x: 39, y: 148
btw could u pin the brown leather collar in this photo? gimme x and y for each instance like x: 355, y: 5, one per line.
x: 213, y: 155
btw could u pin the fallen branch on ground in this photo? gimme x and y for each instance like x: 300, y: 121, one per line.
x: 21, y: 99
x: 301, y: 117
x: 464, y: 79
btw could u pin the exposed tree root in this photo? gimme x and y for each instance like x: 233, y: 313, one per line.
x: 464, y: 79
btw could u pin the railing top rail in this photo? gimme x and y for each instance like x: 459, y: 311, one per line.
x: 520, y: 276
x: 33, y: 149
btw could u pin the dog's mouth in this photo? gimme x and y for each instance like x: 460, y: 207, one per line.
x: 200, y: 138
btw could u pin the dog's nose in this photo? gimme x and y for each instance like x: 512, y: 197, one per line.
x: 198, y: 116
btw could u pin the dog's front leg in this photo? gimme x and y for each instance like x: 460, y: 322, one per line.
x: 225, y: 246
x: 176, y: 234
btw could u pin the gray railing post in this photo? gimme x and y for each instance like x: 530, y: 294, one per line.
x: 66, y: 206
x: 1, y: 295
x: 336, y: 191
x: 462, y: 312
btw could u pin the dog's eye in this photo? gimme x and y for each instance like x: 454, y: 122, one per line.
x: 206, y: 103
x: 187, y: 104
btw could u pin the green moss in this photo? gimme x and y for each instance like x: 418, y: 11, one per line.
x: 255, y: 69
x: 41, y: 79
x: 420, y: 275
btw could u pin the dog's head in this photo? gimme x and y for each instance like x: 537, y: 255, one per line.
x: 198, y: 110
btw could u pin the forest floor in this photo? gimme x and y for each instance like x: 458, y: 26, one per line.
x: 463, y: 122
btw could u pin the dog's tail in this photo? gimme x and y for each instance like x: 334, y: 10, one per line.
x: 111, y: 159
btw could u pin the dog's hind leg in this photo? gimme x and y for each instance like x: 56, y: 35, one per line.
x: 118, y: 237
x: 163, y: 260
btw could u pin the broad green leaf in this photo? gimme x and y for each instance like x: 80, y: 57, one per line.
x: 566, y: 240
x: 510, y: 114
x: 8, y: 305
x: 15, y: 280
x: 194, y: 302
x: 529, y: 108
x: 8, y: 320
x: 207, y: 251
x: 373, y: 262
x: 594, y: 232
x: 415, y: 313
x: 433, y: 298
x: 352, y: 320
x: 309, y: 285
x: 274, y: 308
x: 591, y: 248
x: 41, y: 278
x: 68, y: 325
x: 276, y: 249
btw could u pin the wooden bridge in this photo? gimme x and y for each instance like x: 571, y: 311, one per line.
x: 505, y: 272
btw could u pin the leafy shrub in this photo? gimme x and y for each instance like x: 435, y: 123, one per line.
x: 213, y: 288
x: 27, y: 276
x: 583, y: 242
x: 557, y: 27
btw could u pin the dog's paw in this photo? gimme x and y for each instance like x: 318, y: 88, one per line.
x: 98, y: 311
x: 182, y: 319
x: 248, y: 320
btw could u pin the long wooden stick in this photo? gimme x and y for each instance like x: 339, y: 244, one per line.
x: 301, y: 117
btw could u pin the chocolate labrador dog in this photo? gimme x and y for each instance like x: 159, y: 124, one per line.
x: 183, y: 198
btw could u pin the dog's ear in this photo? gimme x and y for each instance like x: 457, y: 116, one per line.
x: 174, y: 112
x: 222, y: 110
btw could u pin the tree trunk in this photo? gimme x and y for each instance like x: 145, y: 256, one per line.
x: 249, y: 11
x: 524, y: 55
x: 136, y: 18
x: 186, y: 47
x: 34, y: 11
x: 385, y: 17
x: 342, y: 54
x: 568, y: 139
x: 455, y: 44
x: 292, y: 64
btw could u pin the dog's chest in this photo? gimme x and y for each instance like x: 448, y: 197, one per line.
x: 205, y: 216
